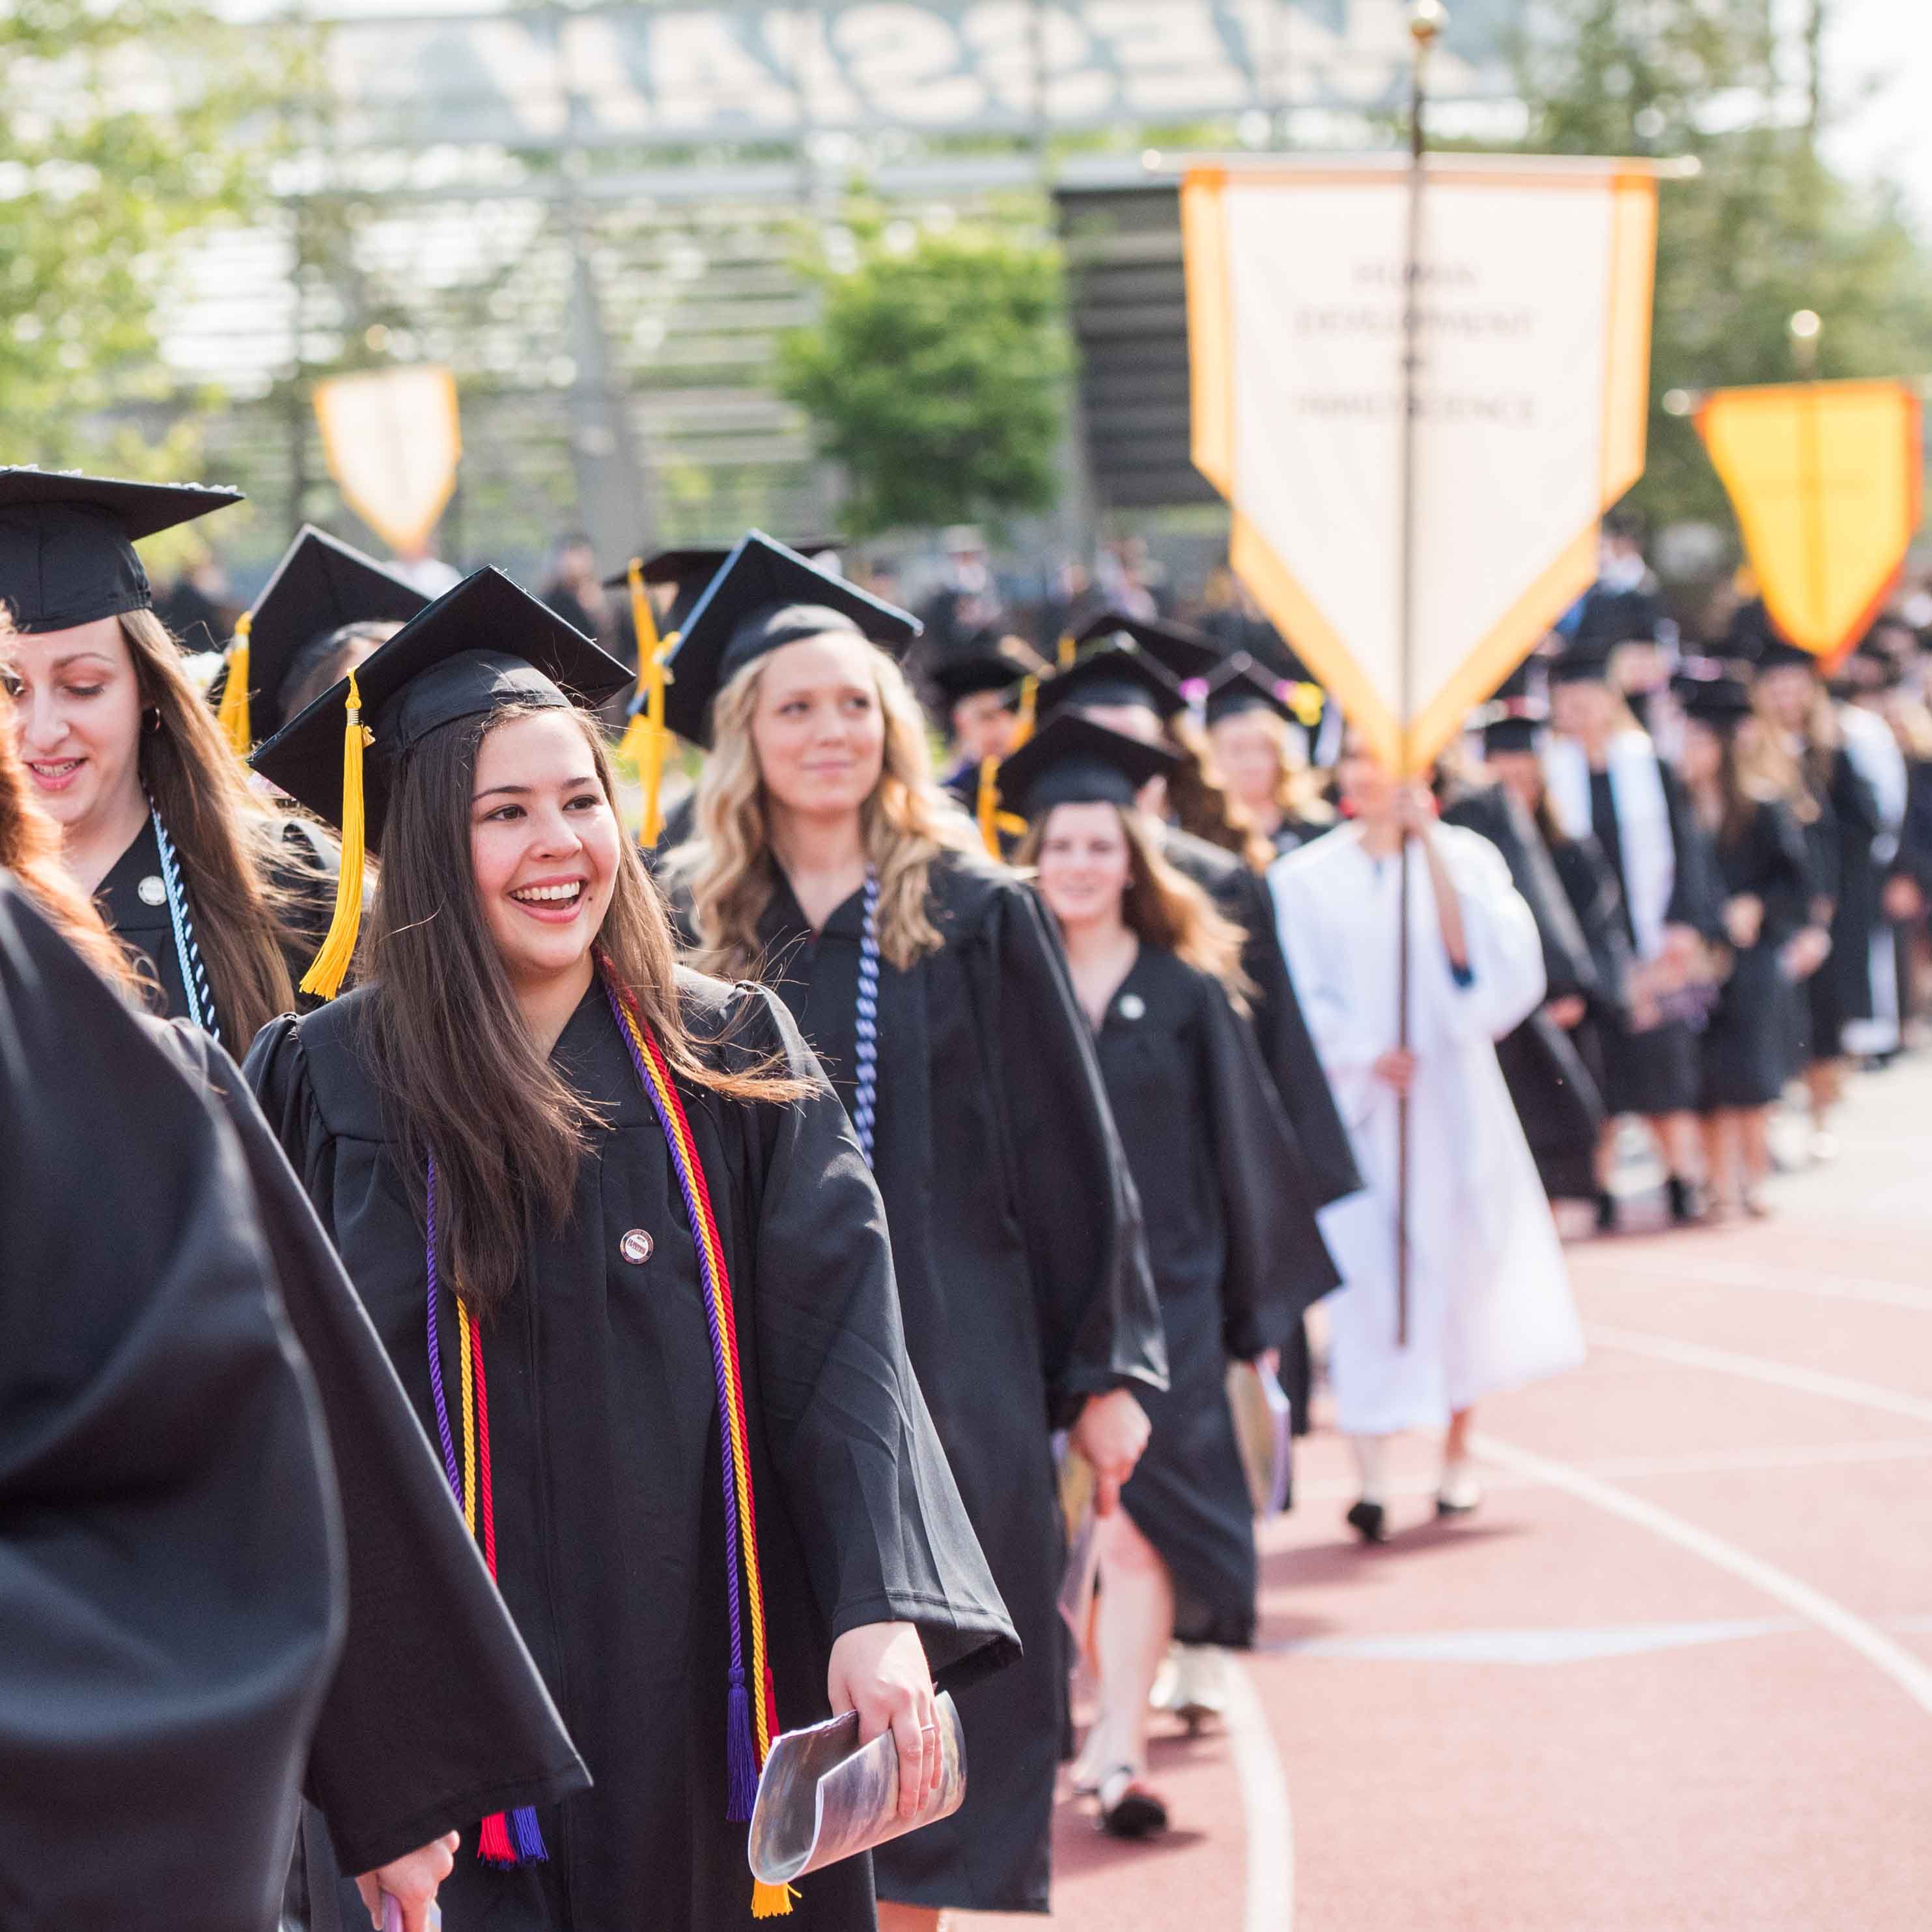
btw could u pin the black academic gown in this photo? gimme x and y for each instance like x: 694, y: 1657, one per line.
x: 1591, y: 887
x: 605, y: 1429
x: 1840, y: 840
x: 1237, y: 1257
x: 436, y: 1714
x: 1556, y: 1097
x: 1023, y: 1277
x: 1657, y: 1071
x: 170, y: 1553
x: 1747, y: 1050
x: 133, y: 899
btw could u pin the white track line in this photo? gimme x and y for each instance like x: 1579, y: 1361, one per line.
x: 1758, y: 1368
x: 1766, y: 1275
x: 1912, y: 1677
x: 1267, y: 1819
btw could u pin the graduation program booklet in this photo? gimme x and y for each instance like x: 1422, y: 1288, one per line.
x: 823, y: 1796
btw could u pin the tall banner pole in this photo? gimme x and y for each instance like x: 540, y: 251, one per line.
x: 1426, y: 20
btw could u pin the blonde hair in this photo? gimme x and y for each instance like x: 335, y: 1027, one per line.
x: 1300, y: 789
x: 1202, y: 804
x: 726, y: 867
x: 1163, y: 908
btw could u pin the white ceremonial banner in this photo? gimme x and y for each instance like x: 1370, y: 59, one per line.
x: 1533, y: 349
x: 392, y: 439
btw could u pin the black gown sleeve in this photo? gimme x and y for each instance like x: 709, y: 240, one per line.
x: 1276, y: 1263
x: 1697, y: 891
x: 863, y: 1475
x: 1287, y: 1051
x: 1567, y: 963
x: 1079, y: 1213
x: 170, y: 1558
x: 436, y: 1716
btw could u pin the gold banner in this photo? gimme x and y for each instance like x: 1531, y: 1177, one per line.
x: 393, y: 440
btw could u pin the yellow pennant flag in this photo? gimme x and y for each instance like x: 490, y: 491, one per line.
x: 1825, y: 480
x: 1533, y: 346
x: 393, y: 440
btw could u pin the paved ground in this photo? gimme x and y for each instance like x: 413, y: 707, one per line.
x: 1676, y: 1674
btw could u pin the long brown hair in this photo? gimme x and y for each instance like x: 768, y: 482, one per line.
x: 1163, y: 908
x: 30, y: 848
x: 228, y: 839
x: 1203, y: 804
x: 465, y: 1079
x: 726, y: 866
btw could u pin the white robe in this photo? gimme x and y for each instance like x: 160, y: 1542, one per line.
x: 1489, y: 1304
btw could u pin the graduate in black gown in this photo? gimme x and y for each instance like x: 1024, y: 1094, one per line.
x: 224, y: 897
x: 172, y: 1589
x: 600, y: 1210
x: 1746, y: 1050
x: 1260, y: 746
x: 1605, y: 778
x: 925, y: 977
x: 1557, y: 1097
x: 433, y: 1698
x: 1231, y: 1230
x: 976, y: 703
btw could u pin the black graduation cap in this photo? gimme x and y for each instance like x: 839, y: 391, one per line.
x: 320, y: 584
x: 765, y: 597
x: 973, y: 672
x: 484, y: 643
x: 1511, y: 733
x: 1582, y: 664
x: 1112, y: 674
x: 1072, y: 761
x: 67, y: 541
x: 1615, y: 617
x: 1177, y: 648
x: 1720, y: 702
x: 1241, y: 685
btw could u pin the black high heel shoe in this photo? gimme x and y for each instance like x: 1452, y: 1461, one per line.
x: 1128, y: 1809
x: 1368, y: 1521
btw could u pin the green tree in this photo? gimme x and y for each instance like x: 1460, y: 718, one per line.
x: 125, y: 130
x: 937, y: 375
x: 1764, y: 229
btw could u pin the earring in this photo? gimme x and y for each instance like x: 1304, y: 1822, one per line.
x: 151, y: 717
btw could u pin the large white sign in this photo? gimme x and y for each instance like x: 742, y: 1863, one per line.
x: 661, y: 75
x: 1533, y: 312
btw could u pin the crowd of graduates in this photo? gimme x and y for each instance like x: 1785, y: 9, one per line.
x: 598, y: 1282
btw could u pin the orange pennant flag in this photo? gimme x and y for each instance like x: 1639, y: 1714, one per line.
x: 1824, y: 478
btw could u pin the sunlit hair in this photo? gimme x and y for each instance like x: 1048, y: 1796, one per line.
x: 1752, y: 770
x: 463, y: 1076
x: 30, y: 848
x: 1202, y: 803
x: 726, y: 867
x: 1163, y: 908
x: 1768, y: 766
x: 1820, y: 731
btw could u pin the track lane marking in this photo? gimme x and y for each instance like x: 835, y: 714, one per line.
x: 1749, y: 1275
x: 1761, y: 1369
x: 1267, y: 1818
x: 1911, y: 1675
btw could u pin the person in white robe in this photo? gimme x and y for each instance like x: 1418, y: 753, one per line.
x: 1488, y: 1303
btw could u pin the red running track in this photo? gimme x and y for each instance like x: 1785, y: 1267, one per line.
x: 1677, y: 1673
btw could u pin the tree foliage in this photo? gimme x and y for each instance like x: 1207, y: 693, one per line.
x: 1765, y: 230
x: 125, y: 130
x: 937, y: 376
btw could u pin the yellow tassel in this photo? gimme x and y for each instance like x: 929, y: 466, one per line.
x: 987, y: 806
x: 233, y: 717
x: 1305, y: 701
x: 772, y: 1901
x: 645, y: 739
x: 331, y: 964
x: 1029, y: 699
x: 1069, y: 650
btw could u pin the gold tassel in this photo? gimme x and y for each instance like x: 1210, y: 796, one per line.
x: 987, y: 806
x: 331, y: 964
x: 1069, y: 650
x: 233, y: 717
x: 772, y: 1901
x: 644, y: 739
x: 1305, y: 701
x: 1029, y: 700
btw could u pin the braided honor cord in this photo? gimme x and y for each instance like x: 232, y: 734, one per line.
x: 188, y: 949
x: 864, y: 1099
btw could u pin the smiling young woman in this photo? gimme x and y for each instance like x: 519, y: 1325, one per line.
x: 612, y: 1228
x: 924, y: 976
x: 220, y: 894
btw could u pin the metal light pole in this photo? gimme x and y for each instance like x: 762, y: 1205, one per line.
x: 1426, y: 19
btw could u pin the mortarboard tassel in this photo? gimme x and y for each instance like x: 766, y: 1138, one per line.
x: 1069, y: 650
x: 990, y: 820
x: 232, y: 716
x: 1029, y: 703
x: 331, y: 964
x: 644, y: 736
x: 1305, y: 700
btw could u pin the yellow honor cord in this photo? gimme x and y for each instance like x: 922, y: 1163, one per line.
x: 987, y: 806
x: 232, y: 716
x: 331, y: 964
